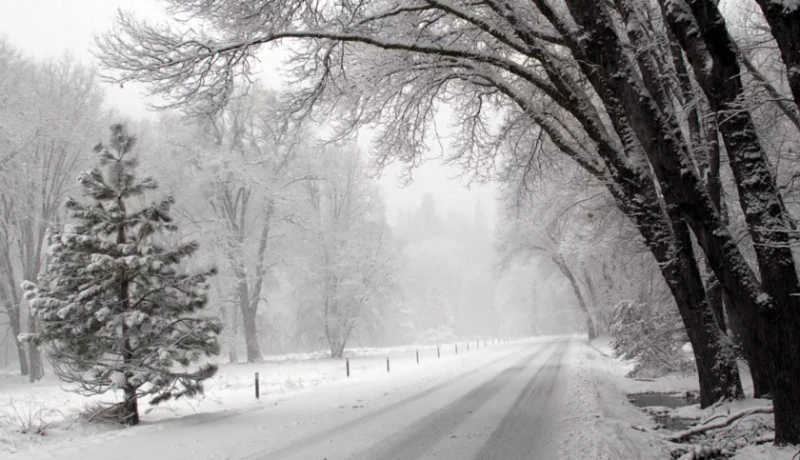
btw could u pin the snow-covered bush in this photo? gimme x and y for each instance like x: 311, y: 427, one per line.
x: 651, y: 335
x: 28, y: 418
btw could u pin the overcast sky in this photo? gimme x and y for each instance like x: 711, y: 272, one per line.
x: 49, y: 28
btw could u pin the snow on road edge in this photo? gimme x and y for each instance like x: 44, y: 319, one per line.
x: 599, y: 422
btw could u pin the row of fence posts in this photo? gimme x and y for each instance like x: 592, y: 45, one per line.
x: 388, y: 368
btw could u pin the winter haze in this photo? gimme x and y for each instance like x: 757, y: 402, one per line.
x: 390, y: 229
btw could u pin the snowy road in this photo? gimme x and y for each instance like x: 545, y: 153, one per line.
x: 502, y: 402
x: 503, y: 411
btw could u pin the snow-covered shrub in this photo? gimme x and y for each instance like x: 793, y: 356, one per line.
x: 651, y: 335
x: 29, y: 418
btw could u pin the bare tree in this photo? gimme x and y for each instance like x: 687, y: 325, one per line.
x: 50, y: 111
x: 247, y: 173
x: 350, y: 262
x: 563, y: 74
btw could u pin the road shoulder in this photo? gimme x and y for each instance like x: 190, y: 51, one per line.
x: 598, y: 422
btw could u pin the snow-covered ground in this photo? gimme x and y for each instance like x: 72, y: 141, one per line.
x: 282, y: 378
x: 613, y: 372
x: 574, y: 402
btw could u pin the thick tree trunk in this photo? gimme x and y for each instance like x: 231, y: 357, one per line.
x: 717, y: 372
x: 337, y: 349
x: 715, y: 362
x: 130, y: 407
x: 784, y: 20
x: 772, y: 336
x: 251, y: 335
x: 636, y: 116
x: 233, y: 333
x: 36, y: 367
x: 23, y: 358
x: 714, y: 185
x: 249, y: 309
x: 737, y: 332
x: 669, y: 241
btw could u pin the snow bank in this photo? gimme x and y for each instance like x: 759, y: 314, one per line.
x: 600, y: 423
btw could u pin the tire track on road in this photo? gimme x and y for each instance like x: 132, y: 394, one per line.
x: 299, y: 446
x: 515, y: 436
x: 418, y: 439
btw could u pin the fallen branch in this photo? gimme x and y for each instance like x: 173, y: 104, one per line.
x: 722, y: 424
x: 711, y: 419
x: 764, y: 439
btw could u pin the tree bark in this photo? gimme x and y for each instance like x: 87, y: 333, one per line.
x: 9, y: 298
x: 130, y: 407
x: 714, y: 186
x: 36, y: 366
x: 717, y: 372
x: 715, y: 361
x: 337, y: 349
x: 714, y: 293
x: 251, y: 334
x: 16, y: 329
x: 784, y: 21
x: 772, y: 335
x: 737, y: 332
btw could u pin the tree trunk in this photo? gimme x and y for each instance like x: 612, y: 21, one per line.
x: 772, y: 335
x: 599, y: 323
x: 715, y: 361
x: 16, y: 329
x: 23, y: 358
x: 24, y: 368
x: 714, y: 186
x: 784, y: 20
x: 606, y: 62
x: 130, y: 407
x: 669, y: 241
x: 232, y: 333
x: 251, y: 335
x: 562, y: 266
x: 737, y: 332
x: 337, y: 349
x: 36, y: 369
x: 714, y: 293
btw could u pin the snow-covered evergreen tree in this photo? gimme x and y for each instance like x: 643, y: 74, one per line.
x: 115, y: 309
